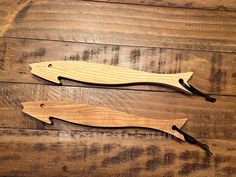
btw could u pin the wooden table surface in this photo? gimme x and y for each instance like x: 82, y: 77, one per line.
x: 159, y: 36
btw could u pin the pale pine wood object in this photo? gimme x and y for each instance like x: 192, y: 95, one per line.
x: 92, y: 115
x: 104, y: 74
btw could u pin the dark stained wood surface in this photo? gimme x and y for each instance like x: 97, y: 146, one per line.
x: 168, y: 36
x: 226, y: 5
x: 75, y: 153
x: 110, y: 23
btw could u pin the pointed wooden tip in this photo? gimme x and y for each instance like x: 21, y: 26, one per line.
x: 182, y: 123
x: 32, y: 108
x: 186, y: 77
x: 179, y: 123
x: 46, y: 71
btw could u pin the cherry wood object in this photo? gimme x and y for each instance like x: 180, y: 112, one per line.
x: 163, y: 37
x: 87, y: 114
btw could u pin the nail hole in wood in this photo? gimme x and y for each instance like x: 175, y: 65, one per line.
x: 174, y: 127
x: 50, y: 65
x: 42, y: 105
x: 181, y: 81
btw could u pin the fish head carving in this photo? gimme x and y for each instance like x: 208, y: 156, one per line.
x: 38, y: 108
x: 46, y: 70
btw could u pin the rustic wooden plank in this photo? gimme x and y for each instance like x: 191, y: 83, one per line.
x: 226, y: 5
x: 9, y: 9
x: 205, y: 120
x: 74, y: 153
x: 5, y: 8
x: 214, y: 72
x: 122, y: 24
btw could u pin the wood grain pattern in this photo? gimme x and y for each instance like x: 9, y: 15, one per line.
x: 96, y: 73
x: 97, y: 116
x: 214, y: 72
x: 226, y: 5
x: 35, y: 153
x: 9, y: 10
x: 148, y: 38
x: 205, y: 120
x: 96, y: 22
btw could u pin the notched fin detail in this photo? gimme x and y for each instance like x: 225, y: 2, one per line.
x: 186, y: 76
x: 31, y: 109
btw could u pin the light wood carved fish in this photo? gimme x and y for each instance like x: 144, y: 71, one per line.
x: 91, y: 115
x: 103, y: 74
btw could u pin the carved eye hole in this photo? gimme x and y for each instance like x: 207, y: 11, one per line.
x: 42, y: 105
x: 50, y: 65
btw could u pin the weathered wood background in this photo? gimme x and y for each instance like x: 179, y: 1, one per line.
x: 160, y: 36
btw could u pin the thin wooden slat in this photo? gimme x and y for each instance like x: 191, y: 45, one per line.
x: 102, y: 74
x: 110, y: 23
x: 97, y: 116
x: 205, y: 120
x: 73, y: 153
x: 226, y: 5
x: 214, y: 72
